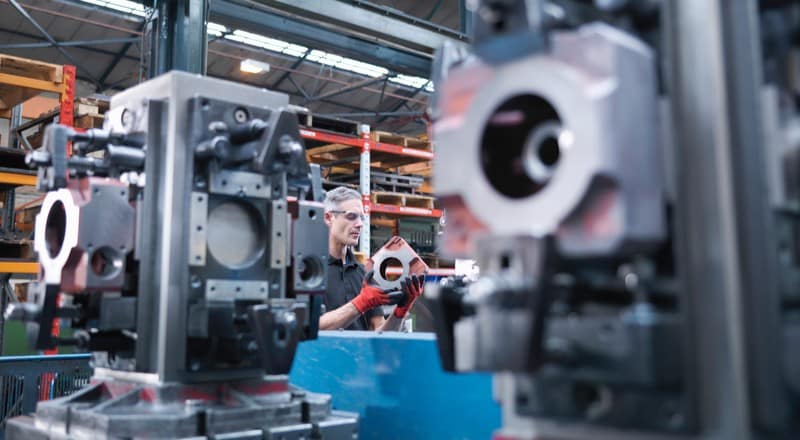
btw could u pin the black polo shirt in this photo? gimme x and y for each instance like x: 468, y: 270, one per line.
x: 344, y: 283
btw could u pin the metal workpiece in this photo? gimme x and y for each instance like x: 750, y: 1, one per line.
x: 398, y: 254
x: 539, y: 154
x: 189, y: 249
x: 84, y: 233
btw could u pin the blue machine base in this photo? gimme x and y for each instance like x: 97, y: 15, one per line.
x: 396, y: 384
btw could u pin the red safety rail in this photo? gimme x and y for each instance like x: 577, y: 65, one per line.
x: 65, y: 117
x: 370, y: 207
x: 365, y: 143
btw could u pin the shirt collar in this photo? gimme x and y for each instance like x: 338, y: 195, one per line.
x: 349, y: 259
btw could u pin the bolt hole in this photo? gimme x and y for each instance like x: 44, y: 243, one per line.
x: 312, y: 214
x: 505, y: 261
x: 224, y: 182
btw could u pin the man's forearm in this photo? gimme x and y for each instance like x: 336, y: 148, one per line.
x: 391, y: 324
x: 339, y: 318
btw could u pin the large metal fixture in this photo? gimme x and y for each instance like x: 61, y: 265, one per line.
x: 185, y: 245
x: 611, y: 304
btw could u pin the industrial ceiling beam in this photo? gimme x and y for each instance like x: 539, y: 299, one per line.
x: 78, y: 43
x: 86, y: 48
x: 52, y: 41
x: 256, y: 18
x: 373, y: 21
x: 403, y: 102
x: 354, y: 86
x: 283, y: 76
x: 118, y: 57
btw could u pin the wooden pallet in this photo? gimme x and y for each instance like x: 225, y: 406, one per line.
x: 10, y: 248
x: 31, y: 68
x: 11, y: 95
x: 402, y: 199
x: 21, y: 291
x: 89, y: 121
x: 398, y: 139
x: 420, y: 169
x: 91, y: 106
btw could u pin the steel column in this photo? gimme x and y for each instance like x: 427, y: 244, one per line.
x: 364, y: 186
x: 755, y: 227
x: 4, y: 286
x: 180, y: 40
x: 16, y: 121
x: 465, y: 17
x: 724, y: 244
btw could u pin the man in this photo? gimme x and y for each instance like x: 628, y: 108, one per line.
x: 352, y: 301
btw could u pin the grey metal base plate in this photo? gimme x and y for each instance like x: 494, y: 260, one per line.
x: 257, y: 409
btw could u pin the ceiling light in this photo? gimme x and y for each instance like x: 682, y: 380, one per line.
x: 253, y: 66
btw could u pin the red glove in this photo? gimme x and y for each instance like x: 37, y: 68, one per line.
x: 371, y: 296
x: 412, y: 287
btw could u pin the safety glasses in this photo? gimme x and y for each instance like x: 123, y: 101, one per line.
x: 350, y: 215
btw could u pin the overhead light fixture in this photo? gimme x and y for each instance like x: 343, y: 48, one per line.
x: 253, y: 66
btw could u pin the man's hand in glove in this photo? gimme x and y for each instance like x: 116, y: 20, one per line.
x: 372, y: 296
x: 412, y: 287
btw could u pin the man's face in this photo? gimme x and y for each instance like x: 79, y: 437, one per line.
x: 343, y: 230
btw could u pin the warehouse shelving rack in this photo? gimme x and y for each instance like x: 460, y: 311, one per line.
x: 20, y: 80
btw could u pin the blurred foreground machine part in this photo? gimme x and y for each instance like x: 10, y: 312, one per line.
x: 184, y: 244
x: 610, y: 304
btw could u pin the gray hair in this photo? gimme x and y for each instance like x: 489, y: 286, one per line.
x: 338, y: 195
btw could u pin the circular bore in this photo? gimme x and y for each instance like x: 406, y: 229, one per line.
x: 520, y: 146
x: 380, y: 265
x: 311, y: 271
x: 390, y: 263
x: 106, y: 262
x: 235, y: 234
x: 542, y: 152
x: 55, y: 229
